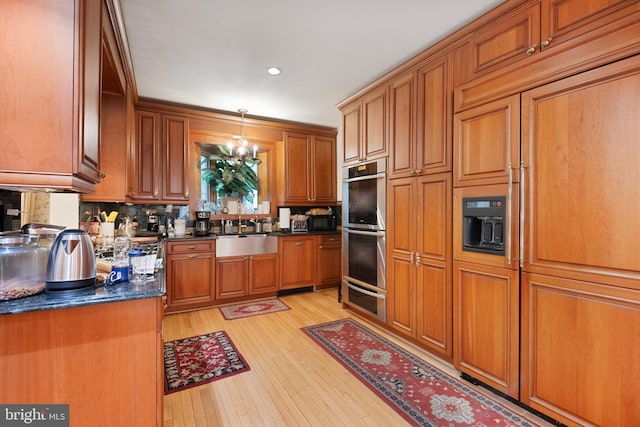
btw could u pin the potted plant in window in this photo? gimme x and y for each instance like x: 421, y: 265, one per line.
x: 231, y: 176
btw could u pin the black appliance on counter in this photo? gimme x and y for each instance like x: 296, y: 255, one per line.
x: 363, y: 235
x: 202, y: 223
x: 323, y: 222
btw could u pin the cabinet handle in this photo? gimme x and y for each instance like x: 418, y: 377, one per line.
x: 191, y: 247
x: 101, y: 175
x: 417, y: 259
x: 522, y: 196
x: 530, y: 51
x: 321, y: 247
x: 299, y: 243
x: 192, y: 256
x: 509, y: 211
x: 545, y: 43
x: 417, y: 171
x: 411, y: 258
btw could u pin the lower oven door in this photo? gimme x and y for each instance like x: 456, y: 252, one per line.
x: 370, y: 301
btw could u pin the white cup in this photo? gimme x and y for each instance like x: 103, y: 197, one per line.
x: 107, y: 229
x: 180, y: 226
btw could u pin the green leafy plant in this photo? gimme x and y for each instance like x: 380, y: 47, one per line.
x: 230, y: 176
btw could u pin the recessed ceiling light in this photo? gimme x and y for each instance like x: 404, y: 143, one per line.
x: 274, y: 71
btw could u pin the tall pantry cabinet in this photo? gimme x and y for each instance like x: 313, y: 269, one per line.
x: 419, y: 292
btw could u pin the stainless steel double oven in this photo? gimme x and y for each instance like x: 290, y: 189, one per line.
x: 363, y: 233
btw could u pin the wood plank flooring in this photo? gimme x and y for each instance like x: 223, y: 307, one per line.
x: 292, y: 381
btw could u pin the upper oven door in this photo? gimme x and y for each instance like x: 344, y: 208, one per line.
x: 364, y: 196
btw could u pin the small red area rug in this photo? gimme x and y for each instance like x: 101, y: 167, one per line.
x: 421, y: 393
x: 253, y: 308
x: 198, y: 360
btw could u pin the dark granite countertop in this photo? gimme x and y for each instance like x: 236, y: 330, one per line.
x: 275, y: 233
x: 94, y: 295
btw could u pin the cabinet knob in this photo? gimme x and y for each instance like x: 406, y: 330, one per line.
x: 530, y: 51
x: 192, y: 256
x: 545, y: 43
x: 101, y: 175
x: 191, y: 247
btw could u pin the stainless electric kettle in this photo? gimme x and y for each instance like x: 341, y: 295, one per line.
x: 72, y: 262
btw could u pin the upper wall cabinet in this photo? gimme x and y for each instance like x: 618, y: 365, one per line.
x: 158, y: 159
x: 421, y: 101
x: 50, y: 91
x: 364, y: 126
x: 539, y: 27
x: 306, y: 169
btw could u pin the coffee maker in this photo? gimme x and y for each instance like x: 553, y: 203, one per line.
x: 202, y: 223
x: 152, y: 222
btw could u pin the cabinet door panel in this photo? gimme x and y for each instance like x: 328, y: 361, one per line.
x: 486, y: 304
x: 486, y: 142
x: 324, y: 170
x: 298, y: 262
x: 580, y: 146
x: 264, y: 274
x: 175, y: 186
x: 146, y: 157
x: 375, y: 107
x: 190, y: 279
x: 434, y: 276
x: 401, y: 241
x: 580, y: 351
x: 566, y: 19
x: 232, y: 277
x: 352, y: 133
x: 434, y: 118
x: 297, y: 168
x: 401, y: 126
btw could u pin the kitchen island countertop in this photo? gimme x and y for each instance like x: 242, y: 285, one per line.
x: 124, y: 291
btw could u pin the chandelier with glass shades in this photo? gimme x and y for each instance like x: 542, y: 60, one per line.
x: 240, y: 153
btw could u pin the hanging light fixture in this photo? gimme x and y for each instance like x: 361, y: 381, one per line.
x: 241, y: 154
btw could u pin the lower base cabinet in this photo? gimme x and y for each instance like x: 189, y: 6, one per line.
x: 241, y: 276
x: 486, y: 322
x: 329, y: 266
x: 191, y: 267
x: 297, y: 261
x: 104, y: 360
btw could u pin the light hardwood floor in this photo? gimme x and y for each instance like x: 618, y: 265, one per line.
x: 292, y: 381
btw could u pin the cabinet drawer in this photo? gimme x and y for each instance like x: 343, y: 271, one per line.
x: 329, y: 239
x: 191, y: 246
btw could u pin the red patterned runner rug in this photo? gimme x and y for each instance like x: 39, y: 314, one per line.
x: 421, y: 393
x: 198, y: 360
x: 253, y: 308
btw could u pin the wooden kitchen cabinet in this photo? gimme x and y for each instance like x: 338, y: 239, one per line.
x: 307, y: 169
x: 190, y: 274
x: 297, y: 261
x: 533, y: 29
x: 421, y: 121
x: 580, y: 351
x: 50, y: 110
x: 241, y: 276
x: 104, y: 360
x: 365, y: 127
x: 329, y: 265
x: 159, y: 158
x: 419, y: 261
x: 486, y: 303
x: 486, y: 146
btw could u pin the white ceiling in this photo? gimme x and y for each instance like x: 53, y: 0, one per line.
x: 214, y: 53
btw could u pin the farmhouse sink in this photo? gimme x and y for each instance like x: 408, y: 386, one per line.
x: 245, y: 244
